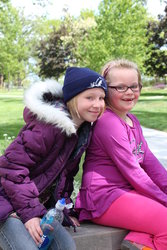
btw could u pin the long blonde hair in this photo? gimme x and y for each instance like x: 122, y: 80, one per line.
x: 72, y: 107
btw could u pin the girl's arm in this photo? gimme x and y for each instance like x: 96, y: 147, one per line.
x: 22, y: 157
x: 115, y: 138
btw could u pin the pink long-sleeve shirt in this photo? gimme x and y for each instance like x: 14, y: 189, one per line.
x: 118, y: 160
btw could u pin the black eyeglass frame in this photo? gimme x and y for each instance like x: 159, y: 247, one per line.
x: 126, y: 88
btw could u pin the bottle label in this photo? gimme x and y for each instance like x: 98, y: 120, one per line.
x: 45, y: 241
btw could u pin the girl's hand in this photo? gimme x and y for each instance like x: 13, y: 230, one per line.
x: 33, y: 227
x: 75, y: 221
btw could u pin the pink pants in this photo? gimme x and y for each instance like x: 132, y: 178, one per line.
x: 144, y: 217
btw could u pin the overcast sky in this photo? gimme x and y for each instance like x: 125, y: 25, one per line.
x: 74, y: 6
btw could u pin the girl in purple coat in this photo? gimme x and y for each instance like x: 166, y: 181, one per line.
x: 38, y: 167
x: 124, y: 185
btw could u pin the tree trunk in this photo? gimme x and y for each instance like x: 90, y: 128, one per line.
x: 1, y: 80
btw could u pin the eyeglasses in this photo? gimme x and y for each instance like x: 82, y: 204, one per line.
x: 122, y: 89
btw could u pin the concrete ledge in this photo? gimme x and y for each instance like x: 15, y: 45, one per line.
x: 90, y: 236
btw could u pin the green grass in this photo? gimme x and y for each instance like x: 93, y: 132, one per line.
x: 151, y: 109
x: 11, y: 93
x: 11, y: 119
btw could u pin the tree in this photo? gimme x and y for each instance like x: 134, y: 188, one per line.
x: 120, y: 31
x: 4, y: 1
x: 54, y: 53
x: 13, y: 45
x: 60, y: 48
x: 156, y: 61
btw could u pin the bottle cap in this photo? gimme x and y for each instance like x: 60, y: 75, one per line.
x: 61, y: 204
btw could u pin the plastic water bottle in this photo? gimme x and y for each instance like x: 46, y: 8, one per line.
x: 55, y: 214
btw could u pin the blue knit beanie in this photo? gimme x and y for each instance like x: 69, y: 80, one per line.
x: 78, y: 80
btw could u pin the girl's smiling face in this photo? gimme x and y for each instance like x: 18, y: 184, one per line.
x: 90, y: 105
x: 122, y: 102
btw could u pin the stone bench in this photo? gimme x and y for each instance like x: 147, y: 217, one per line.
x: 90, y: 236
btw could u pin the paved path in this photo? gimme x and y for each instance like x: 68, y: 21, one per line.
x: 157, y: 141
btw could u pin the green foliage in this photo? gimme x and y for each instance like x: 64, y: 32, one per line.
x: 85, y: 14
x: 13, y: 45
x: 59, y: 49
x: 120, y: 31
x: 156, y: 61
x: 4, y: 1
x: 54, y: 53
x: 117, y: 30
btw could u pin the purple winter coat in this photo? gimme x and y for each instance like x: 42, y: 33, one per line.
x: 46, y: 151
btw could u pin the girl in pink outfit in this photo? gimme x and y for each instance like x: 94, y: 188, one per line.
x: 124, y: 185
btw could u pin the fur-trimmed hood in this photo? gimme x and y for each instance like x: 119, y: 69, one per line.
x: 49, y: 111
